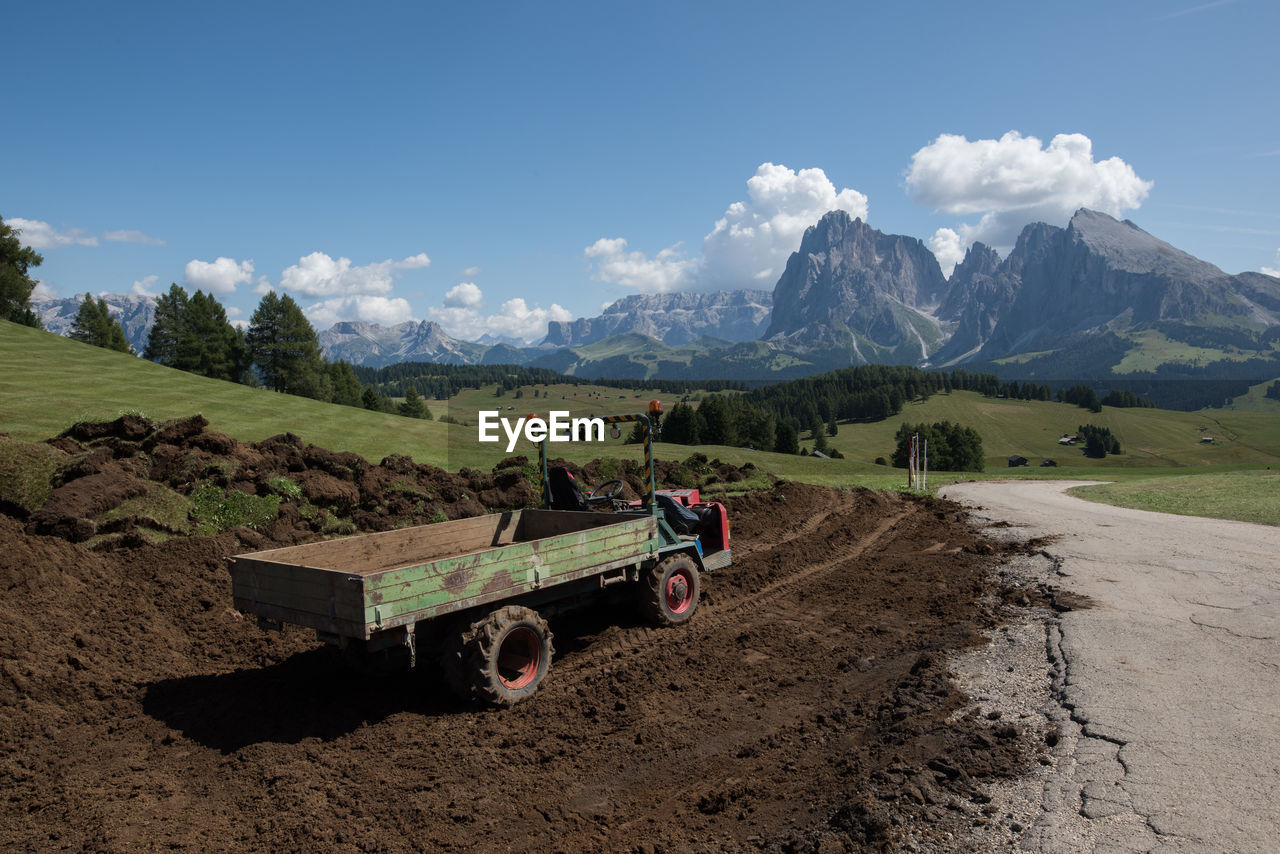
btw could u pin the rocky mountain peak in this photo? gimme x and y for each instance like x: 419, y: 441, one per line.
x: 979, y: 260
x: 675, y: 318
x: 1127, y: 247
x: 850, y: 285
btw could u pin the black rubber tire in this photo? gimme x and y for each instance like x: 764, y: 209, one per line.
x: 500, y: 658
x: 669, y: 592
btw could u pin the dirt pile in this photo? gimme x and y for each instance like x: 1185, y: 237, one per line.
x: 806, y: 707
x: 131, y: 481
x: 302, y: 490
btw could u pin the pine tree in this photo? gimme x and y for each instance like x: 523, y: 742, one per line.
x: 786, y: 439
x: 346, y: 388
x: 372, y: 401
x: 951, y: 447
x: 717, y: 422
x: 413, y: 406
x: 88, y: 327
x: 681, y: 426
x: 16, y: 286
x: 192, y: 333
x: 284, y: 349
x: 207, y: 341
x: 94, y: 325
x: 166, y: 329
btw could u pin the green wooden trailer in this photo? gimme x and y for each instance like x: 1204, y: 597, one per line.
x: 474, y: 593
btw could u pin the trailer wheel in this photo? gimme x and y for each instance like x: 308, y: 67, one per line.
x: 669, y: 593
x: 501, y: 658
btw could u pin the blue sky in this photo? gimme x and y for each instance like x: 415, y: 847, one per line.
x: 494, y: 166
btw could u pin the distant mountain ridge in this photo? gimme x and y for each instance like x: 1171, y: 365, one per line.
x: 135, y: 312
x: 1100, y: 274
x: 376, y: 346
x: 675, y: 319
x: 863, y: 296
x: 1098, y: 297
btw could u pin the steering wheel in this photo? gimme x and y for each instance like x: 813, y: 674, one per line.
x: 605, y: 492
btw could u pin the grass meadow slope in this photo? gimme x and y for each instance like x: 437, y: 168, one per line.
x: 48, y: 383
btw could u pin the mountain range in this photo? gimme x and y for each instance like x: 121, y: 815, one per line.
x: 135, y: 313
x: 1098, y: 297
x: 1099, y: 275
x: 674, y: 319
x: 362, y: 343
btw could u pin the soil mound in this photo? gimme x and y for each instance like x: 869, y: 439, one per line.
x: 130, y: 481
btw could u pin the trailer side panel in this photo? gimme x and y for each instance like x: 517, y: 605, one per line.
x: 409, y: 594
x: 359, y: 586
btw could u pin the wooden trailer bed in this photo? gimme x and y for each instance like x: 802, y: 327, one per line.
x: 358, y: 586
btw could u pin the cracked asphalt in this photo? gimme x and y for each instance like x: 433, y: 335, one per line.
x: 1171, y: 680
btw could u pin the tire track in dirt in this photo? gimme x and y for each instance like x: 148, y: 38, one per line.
x: 776, y: 685
x: 852, y: 552
x: 766, y: 721
x: 807, y: 528
x: 598, y: 657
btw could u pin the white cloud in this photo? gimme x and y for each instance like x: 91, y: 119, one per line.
x: 747, y: 247
x: 145, y: 286
x: 750, y: 244
x: 386, y: 311
x: 1273, y: 271
x: 948, y: 248
x: 41, y: 235
x: 1015, y: 180
x: 464, y: 295
x: 131, y: 236
x: 669, y: 270
x: 470, y: 272
x: 43, y: 291
x: 462, y: 316
x: 219, y: 276
x: 317, y: 275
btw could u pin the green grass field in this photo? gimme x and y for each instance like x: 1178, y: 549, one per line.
x: 1255, y: 400
x: 1246, y: 496
x: 1152, y: 349
x: 48, y: 383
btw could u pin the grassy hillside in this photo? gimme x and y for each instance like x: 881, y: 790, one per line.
x: 1255, y: 400
x: 1152, y: 348
x: 47, y: 383
x: 1149, y: 437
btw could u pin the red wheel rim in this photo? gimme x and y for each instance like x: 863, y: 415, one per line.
x: 679, y: 592
x: 519, y: 658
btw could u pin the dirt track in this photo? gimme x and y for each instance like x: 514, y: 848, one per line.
x: 807, y: 707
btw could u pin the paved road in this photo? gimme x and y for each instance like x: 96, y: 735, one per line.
x: 1174, y: 676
